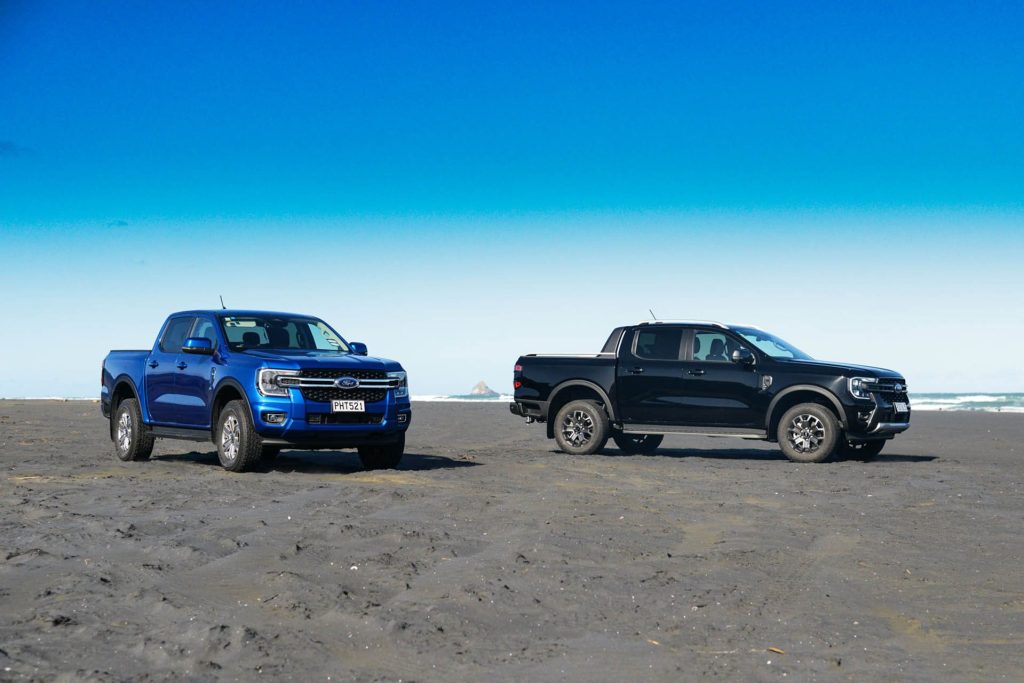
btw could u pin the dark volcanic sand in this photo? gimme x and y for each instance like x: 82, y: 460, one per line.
x: 490, y: 556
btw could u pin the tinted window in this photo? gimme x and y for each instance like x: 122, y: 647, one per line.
x: 659, y: 343
x: 174, y: 335
x: 713, y: 346
x: 205, y: 330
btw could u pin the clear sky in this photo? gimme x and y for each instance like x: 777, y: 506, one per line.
x: 456, y: 184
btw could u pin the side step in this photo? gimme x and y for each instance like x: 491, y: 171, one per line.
x: 741, y: 432
x: 181, y: 433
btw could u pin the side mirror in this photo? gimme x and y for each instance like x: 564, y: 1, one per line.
x: 358, y: 348
x: 198, y: 345
x: 743, y: 357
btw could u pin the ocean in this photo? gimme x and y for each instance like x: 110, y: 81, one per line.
x: 988, y: 402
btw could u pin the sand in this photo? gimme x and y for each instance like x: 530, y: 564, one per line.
x: 490, y: 556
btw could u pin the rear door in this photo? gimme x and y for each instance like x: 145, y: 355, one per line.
x: 717, y: 391
x: 195, y: 378
x: 649, y: 386
x: 162, y: 391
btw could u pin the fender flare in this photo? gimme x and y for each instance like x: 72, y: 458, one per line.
x: 582, y: 383
x: 124, y: 379
x: 840, y: 412
x: 234, y: 384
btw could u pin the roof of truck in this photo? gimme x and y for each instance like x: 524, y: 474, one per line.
x: 243, y: 313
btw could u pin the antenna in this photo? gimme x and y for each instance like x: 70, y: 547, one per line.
x: 222, y: 302
x: 653, y: 317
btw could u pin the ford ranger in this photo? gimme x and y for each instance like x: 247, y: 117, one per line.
x: 706, y: 378
x: 255, y: 382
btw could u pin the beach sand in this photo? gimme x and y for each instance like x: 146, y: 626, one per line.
x: 490, y: 556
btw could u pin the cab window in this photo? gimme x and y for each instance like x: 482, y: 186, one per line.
x: 175, y: 333
x: 658, y: 343
x: 204, y: 329
x: 713, y: 347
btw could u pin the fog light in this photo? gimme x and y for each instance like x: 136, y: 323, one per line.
x: 273, y: 418
x: 864, y: 415
x: 402, y: 417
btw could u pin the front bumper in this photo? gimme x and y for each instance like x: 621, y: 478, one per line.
x: 877, y: 419
x: 312, y: 424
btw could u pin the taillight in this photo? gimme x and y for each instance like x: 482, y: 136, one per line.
x: 516, y: 384
x: 517, y: 368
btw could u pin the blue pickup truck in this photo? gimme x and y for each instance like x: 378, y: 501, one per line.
x: 255, y: 382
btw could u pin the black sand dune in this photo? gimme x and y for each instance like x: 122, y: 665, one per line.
x: 490, y: 556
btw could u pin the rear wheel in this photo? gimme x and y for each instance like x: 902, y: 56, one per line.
x: 239, y: 447
x: 581, y: 428
x: 808, y: 432
x: 131, y: 440
x: 863, y: 450
x: 638, y: 444
x: 384, y: 457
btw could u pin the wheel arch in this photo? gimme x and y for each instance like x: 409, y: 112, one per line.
x: 801, y: 393
x: 574, y: 390
x: 228, y: 390
x: 124, y: 387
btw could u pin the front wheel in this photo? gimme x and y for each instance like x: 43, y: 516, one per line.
x: 638, y: 444
x: 384, y: 457
x: 808, y: 432
x: 239, y: 447
x: 581, y: 428
x: 863, y: 450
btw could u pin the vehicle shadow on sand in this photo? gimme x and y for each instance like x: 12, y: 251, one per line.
x: 322, y: 462
x: 758, y: 454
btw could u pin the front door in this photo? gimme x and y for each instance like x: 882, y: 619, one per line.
x: 649, y: 386
x: 162, y: 393
x: 195, y: 379
x: 717, y: 391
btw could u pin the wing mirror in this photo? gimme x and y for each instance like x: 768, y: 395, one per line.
x: 198, y: 345
x: 743, y: 357
x: 358, y: 348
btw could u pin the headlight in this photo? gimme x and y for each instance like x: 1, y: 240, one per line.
x: 860, y: 387
x: 402, y: 388
x: 272, y: 382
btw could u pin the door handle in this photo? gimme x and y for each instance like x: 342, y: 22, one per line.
x: 636, y: 371
x: 154, y: 363
x: 182, y: 365
x: 697, y: 372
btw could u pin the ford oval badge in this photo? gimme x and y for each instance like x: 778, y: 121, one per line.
x: 347, y: 383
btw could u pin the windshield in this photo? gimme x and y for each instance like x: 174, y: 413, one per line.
x: 770, y: 344
x: 245, y: 332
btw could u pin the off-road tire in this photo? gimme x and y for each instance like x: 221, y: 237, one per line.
x: 384, y: 457
x: 239, y: 447
x: 581, y: 428
x: 809, y: 432
x: 863, y: 450
x: 637, y: 444
x: 135, y: 442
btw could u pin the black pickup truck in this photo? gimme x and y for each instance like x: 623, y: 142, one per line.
x: 706, y: 378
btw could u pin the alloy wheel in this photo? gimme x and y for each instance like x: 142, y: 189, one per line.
x: 230, y: 438
x: 124, y: 431
x: 578, y: 428
x: 806, y: 432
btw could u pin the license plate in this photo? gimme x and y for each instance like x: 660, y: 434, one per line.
x: 901, y: 407
x: 347, y: 406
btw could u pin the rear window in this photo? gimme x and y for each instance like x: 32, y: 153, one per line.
x: 658, y: 343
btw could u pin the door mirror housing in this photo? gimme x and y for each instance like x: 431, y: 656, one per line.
x: 743, y: 357
x: 198, y: 345
x: 357, y: 348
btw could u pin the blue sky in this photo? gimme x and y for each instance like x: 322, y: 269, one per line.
x: 457, y: 184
